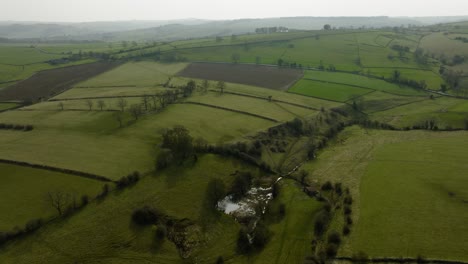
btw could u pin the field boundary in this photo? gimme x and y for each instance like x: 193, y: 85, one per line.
x: 232, y: 110
x: 265, y: 98
x: 56, y: 169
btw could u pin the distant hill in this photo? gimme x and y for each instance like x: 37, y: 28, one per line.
x: 191, y: 28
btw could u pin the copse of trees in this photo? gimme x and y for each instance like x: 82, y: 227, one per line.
x: 177, y: 146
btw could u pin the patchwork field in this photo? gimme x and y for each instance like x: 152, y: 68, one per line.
x: 391, y: 184
x: 328, y: 91
x: 23, y: 193
x: 255, y: 75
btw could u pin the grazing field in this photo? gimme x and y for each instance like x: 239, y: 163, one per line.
x: 49, y: 83
x: 262, y: 76
x: 139, y: 74
x: 273, y: 110
x: 432, y: 79
x: 328, y: 91
x: 104, y: 232
x: 382, y: 101
x: 413, y: 200
x: 361, y: 81
x: 6, y: 106
x: 446, y: 112
x: 291, y: 238
x: 395, y: 191
x: 23, y: 193
x: 24, y: 54
x: 439, y: 43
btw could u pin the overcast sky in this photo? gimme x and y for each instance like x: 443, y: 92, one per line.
x: 105, y: 10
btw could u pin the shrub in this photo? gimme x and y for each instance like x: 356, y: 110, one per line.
x: 347, y: 210
x: 220, y: 260
x: 164, y: 159
x: 146, y: 216
x: 327, y: 186
x: 346, y: 230
x: 161, y: 232
x: 331, y: 250
x: 321, y: 223
x: 334, y: 238
x: 242, y: 184
x: 84, y: 200
x: 348, y: 200
x: 33, y: 225
x: 243, y: 243
x: 261, y: 236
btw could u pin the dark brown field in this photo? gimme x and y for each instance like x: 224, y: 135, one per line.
x: 46, y: 84
x: 256, y: 75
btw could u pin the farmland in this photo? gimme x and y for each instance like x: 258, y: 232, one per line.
x: 354, y: 134
x: 261, y: 76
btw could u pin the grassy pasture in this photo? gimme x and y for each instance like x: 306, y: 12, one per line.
x: 23, y: 193
x: 108, y: 92
x: 380, y: 101
x: 447, y: 112
x: 432, y: 79
x: 413, y: 200
x: 400, y: 184
x: 140, y: 74
x: 278, y: 111
x: 328, y: 91
x: 6, y: 106
x: 359, y: 80
x: 438, y: 44
x: 24, y: 54
x: 103, y: 232
x: 340, y: 50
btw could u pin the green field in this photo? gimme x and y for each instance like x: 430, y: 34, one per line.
x: 361, y: 81
x: 6, y: 106
x: 24, y: 190
x: 328, y: 91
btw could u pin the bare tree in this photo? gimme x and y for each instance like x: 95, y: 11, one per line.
x: 122, y: 103
x: 135, y: 110
x: 205, y: 86
x: 221, y: 86
x: 59, y: 200
x: 89, y: 103
x: 101, y: 104
x: 60, y: 105
x: 145, y: 101
x: 119, y: 117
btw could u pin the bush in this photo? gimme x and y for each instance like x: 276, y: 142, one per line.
x: 161, y: 232
x: 33, y: 225
x: 348, y: 200
x: 346, y: 230
x: 146, y: 216
x: 331, y: 250
x: 349, y: 220
x: 128, y: 180
x: 334, y: 238
x: 164, y: 159
x: 84, y: 200
x: 321, y: 223
x: 347, y: 210
x: 220, y: 260
x: 242, y: 184
x: 261, y: 236
x: 327, y: 186
x: 243, y: 243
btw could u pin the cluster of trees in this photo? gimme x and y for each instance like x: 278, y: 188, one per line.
x: 177, y: 146
x: 396, y: 78
x: 269, y: 30
x: 283, y: 63
x: 252, y: 242
x: 400, y: 49
x: 16, y: 127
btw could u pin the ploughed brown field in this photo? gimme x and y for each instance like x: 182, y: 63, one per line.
x: 256, y: 75
x: 46, y: 84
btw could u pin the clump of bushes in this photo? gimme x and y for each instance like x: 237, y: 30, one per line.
x: 242, y: 184
x: 255, y: 242
x: 16, y: 127
x: 146, y: 216
x: 128, y: 180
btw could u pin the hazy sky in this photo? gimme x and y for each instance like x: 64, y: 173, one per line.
x: 105, y: 10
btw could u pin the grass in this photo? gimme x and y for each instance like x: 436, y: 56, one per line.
x: 432, y: 79
x: 290, y: 242
x: 447, y: 112
x: 6, y: 106
x: 140, y: 74
x: 397, y: 181
x: 328, y: 91
x: 362, y: 81
x: 413, y: 200
x: 24, y: 190
x: 89, y: 136
x: 104, y: 232
x: 278, y: 111
x: 380, y: 101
